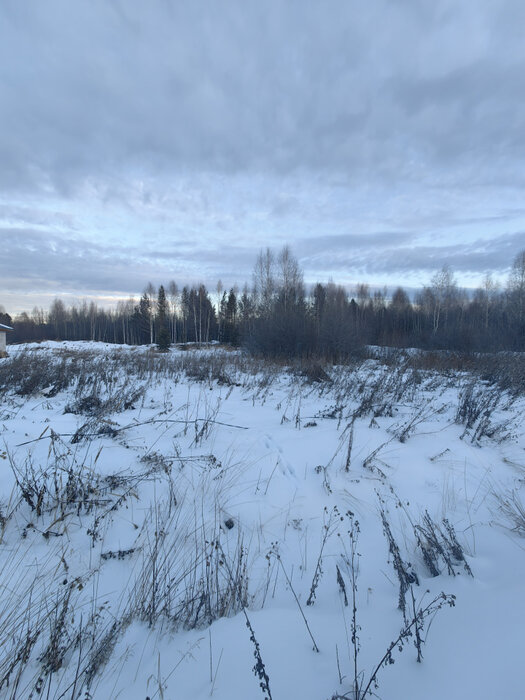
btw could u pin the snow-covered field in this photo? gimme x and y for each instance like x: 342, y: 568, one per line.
x: 152, y: 506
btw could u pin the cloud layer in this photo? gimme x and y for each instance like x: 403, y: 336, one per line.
x: 173, y: 139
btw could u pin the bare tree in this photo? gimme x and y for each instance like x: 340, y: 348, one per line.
x: 150, y: 294
x: 486, y: 296
x: 516, y: 287
x: 445, y: 292
x: 264, y: 280
x: 219, y: 289
x: 173, y: 292
x: 58, y: 318
x: 290, y: 278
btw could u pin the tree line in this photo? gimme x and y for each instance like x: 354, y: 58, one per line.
x: 277, y: 317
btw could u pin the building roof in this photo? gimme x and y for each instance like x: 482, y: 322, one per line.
x: 5, y: 328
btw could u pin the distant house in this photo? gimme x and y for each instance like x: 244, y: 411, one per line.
x: 4, y: 330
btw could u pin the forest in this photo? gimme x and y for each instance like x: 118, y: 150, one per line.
x: 277, y: 316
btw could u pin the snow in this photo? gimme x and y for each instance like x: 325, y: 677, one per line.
x: 194, y: 481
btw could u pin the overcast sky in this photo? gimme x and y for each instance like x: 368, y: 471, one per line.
x: 168, y: 140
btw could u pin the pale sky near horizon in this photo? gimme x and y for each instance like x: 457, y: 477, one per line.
x: 173, y: 140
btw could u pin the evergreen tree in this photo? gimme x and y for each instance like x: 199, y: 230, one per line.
x: 163, y: 334
x: 144, y: 318
x: 230, y: 324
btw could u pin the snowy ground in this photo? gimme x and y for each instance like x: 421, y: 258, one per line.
x: 151, y: 504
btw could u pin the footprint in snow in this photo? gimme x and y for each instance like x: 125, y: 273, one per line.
x: 284, y: 465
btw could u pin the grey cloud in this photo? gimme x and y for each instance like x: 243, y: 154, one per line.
x: 98, y: 87
x: 350, y: 242
x: 154, y: 140
x: 33, y: 261
x: 17, y: 216
x: 480, y: 256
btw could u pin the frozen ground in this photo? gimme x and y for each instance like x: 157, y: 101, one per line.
x: 151, y: 504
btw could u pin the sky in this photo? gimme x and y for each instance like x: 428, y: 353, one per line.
x: 170, y: 140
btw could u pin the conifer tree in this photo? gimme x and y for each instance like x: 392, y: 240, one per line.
x: 163, y: 334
